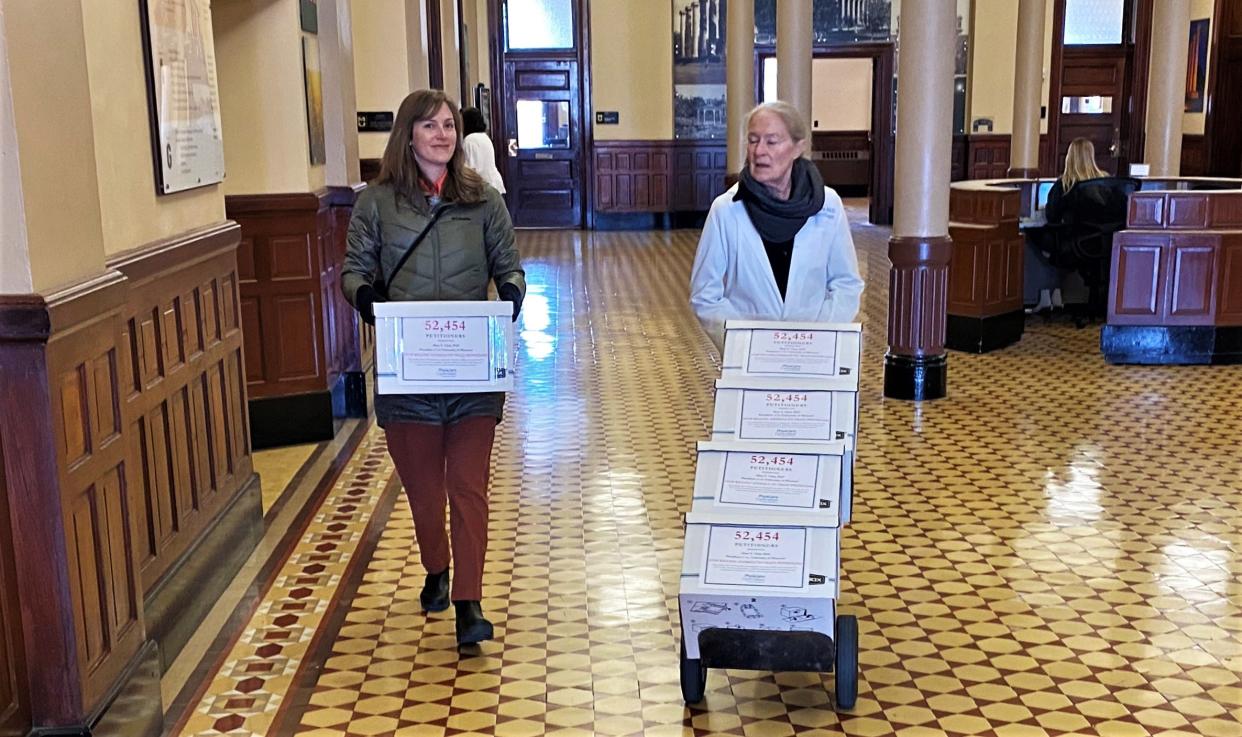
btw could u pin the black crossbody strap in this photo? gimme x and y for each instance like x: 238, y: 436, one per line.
x: 382, y: 287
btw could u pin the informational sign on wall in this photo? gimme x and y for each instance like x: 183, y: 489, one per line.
x: 183, y: 94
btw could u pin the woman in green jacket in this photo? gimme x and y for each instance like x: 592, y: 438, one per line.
x: 440, y: 443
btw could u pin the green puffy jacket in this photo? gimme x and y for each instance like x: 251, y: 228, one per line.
x: 469, y: 246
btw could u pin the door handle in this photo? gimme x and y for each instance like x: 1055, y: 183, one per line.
x: 513, y: 147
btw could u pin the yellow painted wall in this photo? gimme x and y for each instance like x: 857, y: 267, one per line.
x: 1193, y: 123
x: 632, y: 67
x: 132, y: 213
x: 381, y: 71
x: 993, y: 40
x: 55, y: 141
x: 263, y: 97
x: 841, y: 94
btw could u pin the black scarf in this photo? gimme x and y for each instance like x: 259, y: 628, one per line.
x: 780, y: 220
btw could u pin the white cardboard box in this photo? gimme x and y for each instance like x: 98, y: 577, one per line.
x: 752, y: 477
x: 443, y: 347
x: 795, y: 350
x: 786, y: 410
x: 773, y: 572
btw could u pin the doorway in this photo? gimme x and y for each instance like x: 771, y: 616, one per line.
x: 863, y: 155
x: 539, y: 65
x: 1224, y: 144
x: 1098, y: 85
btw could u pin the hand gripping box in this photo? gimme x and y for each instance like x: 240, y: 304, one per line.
x: 443, y: 347
x: 786, y: 410
x: 746, y: 477
x: 808, y: 350
x: 772, y: 571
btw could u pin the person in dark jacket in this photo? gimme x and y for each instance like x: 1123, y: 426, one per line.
x: 441, y: 444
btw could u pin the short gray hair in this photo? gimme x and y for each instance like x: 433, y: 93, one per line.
x: 789, y: 115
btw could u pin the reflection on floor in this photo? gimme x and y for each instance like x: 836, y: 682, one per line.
x: 1053, y: 549
x: 277, y: 467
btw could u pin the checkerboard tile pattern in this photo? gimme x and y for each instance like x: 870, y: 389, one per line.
x: 1051, y: 550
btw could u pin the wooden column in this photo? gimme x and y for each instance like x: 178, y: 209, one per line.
x: 740, y: 65
x: 1024, y: 146
x: 1166, y: 87
x: 793, y: 54
x: 916, y: 366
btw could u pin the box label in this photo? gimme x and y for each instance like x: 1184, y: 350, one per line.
x: 770, y: 479
x: 793, y: 352
x: 768, y: 415
x: 445, y: 349
x: 756, y: 556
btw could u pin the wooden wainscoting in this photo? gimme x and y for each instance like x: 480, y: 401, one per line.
x: 184, y: 391
x: 987, y: 156
x: 69, y: 492
x: 14, y: 697
x: 1194, y: 156
x: 300, y: 333
x: 843, y: 159
x: 657, y: 176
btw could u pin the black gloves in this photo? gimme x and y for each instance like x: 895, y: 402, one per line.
x: 510, y: 293
x: 365, y: 299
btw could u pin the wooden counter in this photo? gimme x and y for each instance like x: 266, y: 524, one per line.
x: 1176, y: 291
x: 985, y: 270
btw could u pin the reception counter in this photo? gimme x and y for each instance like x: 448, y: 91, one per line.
x: 985, y: 270
x: 1176, y: 291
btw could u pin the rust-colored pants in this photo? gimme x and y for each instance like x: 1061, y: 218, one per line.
x: 439, y: 463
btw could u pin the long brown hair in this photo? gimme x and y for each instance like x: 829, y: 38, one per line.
x: 399, y: 167
x: 1080, y: 164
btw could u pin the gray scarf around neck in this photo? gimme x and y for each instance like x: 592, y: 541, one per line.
x: 779, y: 220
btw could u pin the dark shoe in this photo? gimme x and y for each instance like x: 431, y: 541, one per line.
x: 471, y: 626
x: 435, y: 595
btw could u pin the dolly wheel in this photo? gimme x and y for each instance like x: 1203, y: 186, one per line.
x: 693, y: 678
x: 847, y: 661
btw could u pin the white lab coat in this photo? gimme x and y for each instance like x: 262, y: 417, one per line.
x: 732, y: 277
x: 480, y: 155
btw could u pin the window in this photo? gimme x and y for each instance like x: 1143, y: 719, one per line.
x: 540, y: 24
x: 1094, y: 22
x: 543, y: 123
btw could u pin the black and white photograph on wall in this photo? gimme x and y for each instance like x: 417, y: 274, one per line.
x: 698, y: 69
x: 834, y: 21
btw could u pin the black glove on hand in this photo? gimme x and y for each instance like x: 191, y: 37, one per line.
x: 510, y: 293
x: 365, y: 298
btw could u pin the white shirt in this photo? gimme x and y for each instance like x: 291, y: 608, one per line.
x: 732, y: 277
x: 481, y: 156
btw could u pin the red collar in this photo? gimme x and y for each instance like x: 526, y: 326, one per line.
x: 435, y: 189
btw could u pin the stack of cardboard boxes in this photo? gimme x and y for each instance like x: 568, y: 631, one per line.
x: 772, y: 490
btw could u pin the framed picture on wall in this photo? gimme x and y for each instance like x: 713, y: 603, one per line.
x: 1196, y: 65
x: 184, y: 102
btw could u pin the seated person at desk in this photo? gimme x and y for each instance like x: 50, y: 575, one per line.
x: 1043, y: 276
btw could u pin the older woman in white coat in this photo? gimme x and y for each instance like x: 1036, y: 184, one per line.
x: 777, y: 245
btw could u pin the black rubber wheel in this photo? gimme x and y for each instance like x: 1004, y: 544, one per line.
x: 693, y: 678
x: 847, y: 661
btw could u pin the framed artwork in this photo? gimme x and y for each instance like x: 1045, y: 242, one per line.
x: 1196, y: 65
x: 314, y: 100
x: 698, y: 69
x: 184, y: 102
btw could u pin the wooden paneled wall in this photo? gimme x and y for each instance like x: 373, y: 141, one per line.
x: 14, y: 699
x: 69, y: 491
x: 183, y: 391
x: 657, y: 176
x: 987, y: 156
x: 300, y: 334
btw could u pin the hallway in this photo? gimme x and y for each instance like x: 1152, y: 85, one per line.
x: 1053, y: 549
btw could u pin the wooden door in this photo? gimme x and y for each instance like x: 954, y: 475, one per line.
x: 543, y: 138
x: 1092, y: 103
x: 14, y: 713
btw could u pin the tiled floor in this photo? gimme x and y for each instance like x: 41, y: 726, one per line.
x: 1054, y: 549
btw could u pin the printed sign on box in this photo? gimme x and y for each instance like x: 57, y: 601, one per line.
x: 753, y: 476
x: 756, y: 570
x: 792, y: 350
x: 443, y: 347
x: 801, y: 411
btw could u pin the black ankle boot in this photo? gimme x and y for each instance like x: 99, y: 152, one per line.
x: 435, y: 595
x: 471, y: 626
